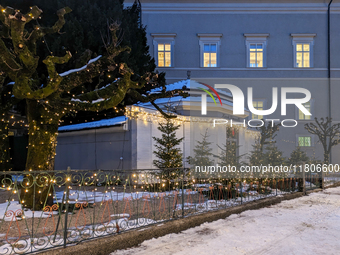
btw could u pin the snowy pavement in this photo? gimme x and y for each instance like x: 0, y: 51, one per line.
x: 307, y: 225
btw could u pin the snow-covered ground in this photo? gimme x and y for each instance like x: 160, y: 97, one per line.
x: 307, y: 225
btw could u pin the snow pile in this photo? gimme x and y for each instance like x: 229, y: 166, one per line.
x: 14, y: 205
x: 307, y: 225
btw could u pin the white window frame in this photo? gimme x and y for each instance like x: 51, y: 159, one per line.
x: 312, y: 101
x: 258, y: 39
x: 164, y: 38
x: 210, y: 39
x: 304, y: 135
x: 303, y: 39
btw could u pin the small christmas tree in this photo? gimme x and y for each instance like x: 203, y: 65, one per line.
x: 202, y: 155
x: 202, y: 152
x: 228, y: 155
x: 256, y: 157
x: 273, y: 156
x: 169, y: 155
x: 297, y: 156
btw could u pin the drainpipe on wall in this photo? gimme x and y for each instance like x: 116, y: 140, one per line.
x: 329, y: 69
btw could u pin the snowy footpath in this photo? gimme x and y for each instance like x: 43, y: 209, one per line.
x: 307, y: 225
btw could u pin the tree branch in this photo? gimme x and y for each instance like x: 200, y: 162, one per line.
x: 39, y: 32
x: 22, y: 88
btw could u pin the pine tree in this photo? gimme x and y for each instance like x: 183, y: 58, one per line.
x: 297, y: 156
x: 273, y: 156
x: 265, y: 151
x: 268, y: 134
x: 170, y: 159
x: 228, y: 155
x: 256, y: 157
x: 202, y: 152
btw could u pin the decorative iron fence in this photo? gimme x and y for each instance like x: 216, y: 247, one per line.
x: 46, y: 209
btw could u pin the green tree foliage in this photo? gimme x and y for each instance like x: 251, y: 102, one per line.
x: 202, y: 152
x: 264, y: 150
x: 273, y: 156
x: 268, y: 134
x: 256, y: 157
x: 228, y: 155
x: 170, y: 158
x: 297, y: 156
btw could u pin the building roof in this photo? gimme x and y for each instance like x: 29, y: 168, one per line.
x: 194, y: 89
x: 94, y: 124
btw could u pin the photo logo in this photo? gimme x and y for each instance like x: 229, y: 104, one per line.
x: 238, y: 99
x: 204, y: 98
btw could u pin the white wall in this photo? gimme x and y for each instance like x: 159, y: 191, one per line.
x: 192, y: 132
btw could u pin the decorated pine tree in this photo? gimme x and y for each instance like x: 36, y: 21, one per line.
x: 273, y: 156
x: 297, y: 156
x: 264, y: 149
x: 228, y: 155
x: 202, y: 152
x: 268, y: 134
x: 256, y: 157
x: 170, y: 158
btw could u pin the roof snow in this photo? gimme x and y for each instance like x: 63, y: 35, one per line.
x: 95, y: 124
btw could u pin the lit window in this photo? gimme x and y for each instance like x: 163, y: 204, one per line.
x: 256, y: 49
x: 258, y: 105
x: 164, y: 55
x: 302, y: 116
x: 210, y: 55
x: 302, y: 55
x: 209, y: 49
x: 164, y: 49
x: 303, y: 50
x: 256, y: 55
x: 304, y: 141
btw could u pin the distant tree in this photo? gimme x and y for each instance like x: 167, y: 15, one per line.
x: 297, y: 156
x: 228, y: 155
x: 273, y: 156
x: 268, y: 134
x: 202, y: 152
x: 256, y: 157
x: 170, y: 158
x: 327, y: 133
